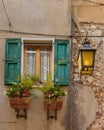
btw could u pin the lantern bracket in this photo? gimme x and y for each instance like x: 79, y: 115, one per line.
x: 86, y: 43
x: 86, y: 36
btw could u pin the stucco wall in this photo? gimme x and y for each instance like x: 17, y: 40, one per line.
x: 39, y: 17
x: 31, y: 19
x: 37, y: 116
x: 81, y: 13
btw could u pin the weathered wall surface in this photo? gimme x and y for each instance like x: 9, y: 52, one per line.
x: 89, y: 18
x: 31, y: 19
x: 39, y: 17
x: 96, y: 80
x: 37, y: 116
x: 81, y: 13
x: 81, y: 107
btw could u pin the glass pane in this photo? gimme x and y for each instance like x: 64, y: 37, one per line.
x: 30, y: 61
x: 45, y: 63
x: 87, y: 58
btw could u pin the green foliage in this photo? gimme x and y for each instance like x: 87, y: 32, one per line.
x: 52, y: 89
x: 56, y: 92
x: 24, y: 83
x: 34, y: 77
x: 11, y: 91
x: 47, y: 84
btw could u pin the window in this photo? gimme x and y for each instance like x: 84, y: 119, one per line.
x: 38, y: 59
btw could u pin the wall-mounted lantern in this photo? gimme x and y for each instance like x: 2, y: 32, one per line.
x: 86, y: 57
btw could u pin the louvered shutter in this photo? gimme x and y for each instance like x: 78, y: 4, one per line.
x: 61, y: 62
x: 12, y: 60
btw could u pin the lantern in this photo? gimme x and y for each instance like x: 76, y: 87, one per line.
x: 86, y: 58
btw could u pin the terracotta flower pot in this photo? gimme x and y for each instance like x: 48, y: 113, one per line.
x: 52, y: 105
x: 18, y: 103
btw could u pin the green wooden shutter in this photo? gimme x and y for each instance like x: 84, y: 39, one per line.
x: 61, y: 62
x: 12, y: 60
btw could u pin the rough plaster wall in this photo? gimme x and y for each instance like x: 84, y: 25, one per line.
x: 39, y: 17
x: 87, y: 2
x: 37, y: 116
x: 81, y: 13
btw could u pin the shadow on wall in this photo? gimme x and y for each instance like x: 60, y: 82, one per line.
x: 81, y: 108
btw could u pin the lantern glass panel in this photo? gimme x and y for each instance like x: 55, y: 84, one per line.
x: 87, y: 58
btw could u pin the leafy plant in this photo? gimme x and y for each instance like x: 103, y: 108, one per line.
x: 34, y: 77
x: 56, y: 92
x: 24, y: 83
x: 51, y: 89
x: 12, y: 91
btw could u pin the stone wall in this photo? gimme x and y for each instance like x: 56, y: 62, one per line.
x: 96, y: 80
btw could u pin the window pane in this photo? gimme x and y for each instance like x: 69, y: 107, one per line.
x: 30, y: 61
x: 45, y: 63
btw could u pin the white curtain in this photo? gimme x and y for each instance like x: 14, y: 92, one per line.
x: 30, y: 61
x: 45, y: 63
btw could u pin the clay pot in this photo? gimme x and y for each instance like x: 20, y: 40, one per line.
x: 18, y: 103
x: 53, y: 104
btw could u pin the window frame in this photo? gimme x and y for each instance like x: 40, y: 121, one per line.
x: 32, y: 42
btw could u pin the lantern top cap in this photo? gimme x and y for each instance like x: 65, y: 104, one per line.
x: 86, y: 45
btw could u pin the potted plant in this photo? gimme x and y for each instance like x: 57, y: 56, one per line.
x: 52, y: 94
x: 19, y: 92
x: 53, y: 98
x: 35, y: 79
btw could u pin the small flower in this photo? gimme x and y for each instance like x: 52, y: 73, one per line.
x: 5, y: 93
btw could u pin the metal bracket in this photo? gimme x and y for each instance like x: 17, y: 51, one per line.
x: 21, y: 113
x: 49, y: 116
x: 51, y: 112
